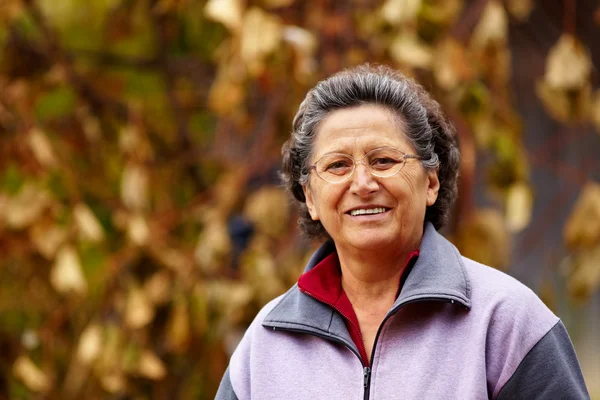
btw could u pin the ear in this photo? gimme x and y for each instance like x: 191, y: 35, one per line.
x: 310, y: 203
x: 433, y: 188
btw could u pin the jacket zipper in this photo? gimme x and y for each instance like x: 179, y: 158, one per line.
x: 366, y: 369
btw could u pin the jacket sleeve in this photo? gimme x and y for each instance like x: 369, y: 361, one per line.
x: 226, y: 391
x: 549, y: 371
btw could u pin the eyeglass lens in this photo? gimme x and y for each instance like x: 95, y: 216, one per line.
x: 337, y: 167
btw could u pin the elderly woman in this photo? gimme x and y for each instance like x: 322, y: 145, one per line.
x: 387, y: 308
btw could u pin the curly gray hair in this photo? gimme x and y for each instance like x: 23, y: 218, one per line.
x: 426, y: 127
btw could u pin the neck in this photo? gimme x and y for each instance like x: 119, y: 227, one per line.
x: 370, y: 279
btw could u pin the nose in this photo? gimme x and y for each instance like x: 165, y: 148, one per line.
x: 363, y: 183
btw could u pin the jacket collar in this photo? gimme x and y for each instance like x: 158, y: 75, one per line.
x: 438, y: 274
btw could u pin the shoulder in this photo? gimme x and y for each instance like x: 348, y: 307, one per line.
x: 495, y: 288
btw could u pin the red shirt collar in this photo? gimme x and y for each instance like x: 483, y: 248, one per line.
x: 324, y: 283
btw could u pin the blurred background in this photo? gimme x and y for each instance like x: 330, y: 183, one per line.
x: 142, y: 224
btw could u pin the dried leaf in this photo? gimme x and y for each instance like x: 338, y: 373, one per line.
x: 158, y: 288
x: 260, y: 271
x: 568, y: 66
x: 268, y: 210
x: 596, y: 110
x: 484, y: 238
x: 261, y: 34
x: 227, y: 12
x: 519, y: 205
x: 26, y: 207
x: 214, y: 245
x: 305, y: 44
x: 520, y: 9
x: 66, y: 275
x: 585, y: 278
x: 134, y: 187
x: 90, y: 344
x: 88, y: 225
x: 397, y: 12
x: 178, y: 327
x: 31, y: 375
x: 492, y: 27
x: 230, y: 299
x: 582, y: 229
x: 47, y: 238
x: 566, y: 106
x: 441, y: 12
x: 42, y: 148
x: 113, y: 382
x: 150, y: 366
x: 450, y: 64
x: 277, y: 3
x: 226, y: 94
x: 408, y: 49
x: 139, y: 310
x: 137, y: 230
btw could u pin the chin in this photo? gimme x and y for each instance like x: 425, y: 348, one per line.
x: 373, y: 242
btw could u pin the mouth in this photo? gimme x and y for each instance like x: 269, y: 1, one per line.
x: 367, y: 211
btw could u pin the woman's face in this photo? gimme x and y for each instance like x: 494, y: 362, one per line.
x: 404, y: 196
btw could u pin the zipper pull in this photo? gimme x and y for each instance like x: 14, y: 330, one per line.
x: 366, y: 375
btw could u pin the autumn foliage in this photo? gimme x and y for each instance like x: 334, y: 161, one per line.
x: 142, y: 224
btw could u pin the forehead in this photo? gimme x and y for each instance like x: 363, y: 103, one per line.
x: 359, y: 129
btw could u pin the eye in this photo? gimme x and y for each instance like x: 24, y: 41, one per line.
x: 339, y: 165
x: 336, y: 166
x: 383, y: 162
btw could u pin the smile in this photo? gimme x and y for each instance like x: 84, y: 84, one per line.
x: 363, y: 211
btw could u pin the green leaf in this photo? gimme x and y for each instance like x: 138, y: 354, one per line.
x: 11, y: 180
x: 55, y: 104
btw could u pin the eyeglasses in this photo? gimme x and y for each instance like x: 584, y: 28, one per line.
x: 382, y: 162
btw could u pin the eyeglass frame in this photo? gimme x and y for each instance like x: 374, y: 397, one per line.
x: 405, y: 156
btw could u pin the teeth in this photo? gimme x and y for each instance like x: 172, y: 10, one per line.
x: 363, y: 211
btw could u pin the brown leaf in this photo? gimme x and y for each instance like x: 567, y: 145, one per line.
x: 150, y: 366
x: 90, y: 344
x: 563, y: 105
x: 582, y: 229
x: 408, y: 49
x: 226, y: 94
x: 596, y: 111
x: 158, y: 288
x: 568, y: 66
x: 66, y: 275
x: 214, y: 244
x: 484, y: 238
x: 261, y: 34
x: 87, y: 224
x: 585, y: 278
x: 268, y: 209
x: 42, y: 148
x: 520, y: 9
x: 519, y: 205
x: 137, y: 230
x: 277, y: 3
x: 26, y: 207
x: 134, y: 187
x: 450, y: 64
x: 139, y: 311
x: 397, y: 12
x: 178, y: 327
x: 492, y: 27
x: 31, y: 375
x: 305, y: 44
x: 227, y: 12
x: 47, y: 238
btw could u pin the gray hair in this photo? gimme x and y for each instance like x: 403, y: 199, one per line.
x: 424, y: 124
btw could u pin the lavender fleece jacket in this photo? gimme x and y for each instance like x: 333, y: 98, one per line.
x: 458, y: 330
